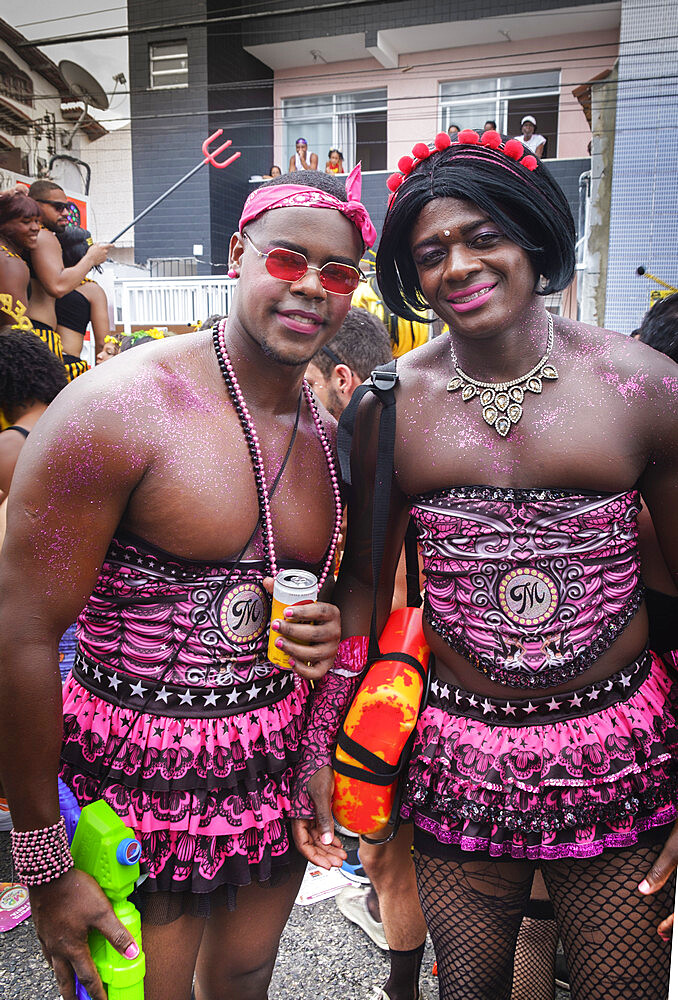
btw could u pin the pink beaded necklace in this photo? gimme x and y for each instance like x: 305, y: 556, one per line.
x: 256, y: 457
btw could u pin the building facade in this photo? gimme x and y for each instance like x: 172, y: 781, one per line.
x: 44, y: 133
x: 370, y: 80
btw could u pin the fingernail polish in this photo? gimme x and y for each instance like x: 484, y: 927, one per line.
x: 275, y: 625
x: 132, y: 950
x: 288, y: 613
x: 279, y: 643
x: 327, y: 838
x: 644, y: 886
x: 293, y: 663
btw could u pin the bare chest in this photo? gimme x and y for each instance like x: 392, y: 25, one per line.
x: 566, y: 436
x: 199, y: 498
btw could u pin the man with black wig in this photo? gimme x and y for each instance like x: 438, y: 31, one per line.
x: 523, y: 444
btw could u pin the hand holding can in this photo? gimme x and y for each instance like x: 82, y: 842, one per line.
x: 304, y: 633
x: 292, y: 587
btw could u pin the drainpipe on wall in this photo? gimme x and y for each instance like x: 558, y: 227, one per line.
x: 603, y: 123
x: 583, y: 224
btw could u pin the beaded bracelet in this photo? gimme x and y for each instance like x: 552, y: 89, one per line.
x: 41, y: 855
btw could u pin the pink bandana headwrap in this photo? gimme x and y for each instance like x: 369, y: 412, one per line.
x: 299, y: 196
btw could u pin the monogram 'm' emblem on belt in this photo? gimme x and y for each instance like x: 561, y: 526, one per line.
x: 244, y: 613
x: 528, y: 596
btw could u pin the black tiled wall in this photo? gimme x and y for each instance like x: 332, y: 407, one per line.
x: 168, y: 129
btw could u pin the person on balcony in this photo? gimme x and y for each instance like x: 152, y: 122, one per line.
x: 302, y: 159
x: 335, y: 162
x: 530, y: 137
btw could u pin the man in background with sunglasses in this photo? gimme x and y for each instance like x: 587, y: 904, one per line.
x: 50, y: 280
x: 160, y: 497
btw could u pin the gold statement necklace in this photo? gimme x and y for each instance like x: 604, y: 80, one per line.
x: 502, y: 402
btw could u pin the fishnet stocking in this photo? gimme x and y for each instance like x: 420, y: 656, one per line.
x: 535, y: 960
x: 608, y: 930
x: 473, y: 910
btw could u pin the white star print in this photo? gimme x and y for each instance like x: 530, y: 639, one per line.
x: 444, y: 691
x: 113, y: 682
x: 97, y: 674
x: 137, y: 689
x: 473, y: 701
x: 270, y: 688
x: 163, y: 694
x: 487, y: 707
x: 434, y: 687
x: 211, y: 699
x: 592, y: 695
x: 509, y: 709
x: 253, y: 692
x: 625, y: 680
x: 186, y: 698
x: 232, y: 697
x: 530, y: 708
x: 553, y: 704
x: 457, y: 696
x: 576, y: 701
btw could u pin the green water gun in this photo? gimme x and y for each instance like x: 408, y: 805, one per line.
x: 107, y: 850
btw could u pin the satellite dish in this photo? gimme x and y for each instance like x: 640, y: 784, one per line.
x: 83, y: 85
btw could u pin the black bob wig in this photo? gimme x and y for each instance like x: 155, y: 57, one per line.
x: 529, y: 206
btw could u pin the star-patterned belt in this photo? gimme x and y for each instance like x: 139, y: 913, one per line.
x: 546, y: 709
x: 180, y: 700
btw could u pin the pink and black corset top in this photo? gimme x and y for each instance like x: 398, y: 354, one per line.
x: 147, y: 601
x: 530, y: 586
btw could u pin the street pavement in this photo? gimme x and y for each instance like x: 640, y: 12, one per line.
x: 322, y: 957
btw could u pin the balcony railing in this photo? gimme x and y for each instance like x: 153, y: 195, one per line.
x: 171, y: 301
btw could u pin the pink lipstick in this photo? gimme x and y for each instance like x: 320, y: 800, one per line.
x: 471, y: 298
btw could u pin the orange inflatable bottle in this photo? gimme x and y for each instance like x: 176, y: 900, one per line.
x: 378, y: 724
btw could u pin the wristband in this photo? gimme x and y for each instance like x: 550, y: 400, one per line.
x: 41, y: 855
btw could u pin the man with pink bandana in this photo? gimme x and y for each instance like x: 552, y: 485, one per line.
x: 154, y: 506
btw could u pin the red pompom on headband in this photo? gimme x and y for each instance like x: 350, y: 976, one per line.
x: 512, y: 148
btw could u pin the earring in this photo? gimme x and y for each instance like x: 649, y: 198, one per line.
x: 446, y: 232
x: 232, y: 273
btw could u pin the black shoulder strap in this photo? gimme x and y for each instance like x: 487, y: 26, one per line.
x: 21, y: 430
x: 412, y: 566
x: 382, y: 383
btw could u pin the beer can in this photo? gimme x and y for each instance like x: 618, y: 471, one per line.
x: 291, y: 587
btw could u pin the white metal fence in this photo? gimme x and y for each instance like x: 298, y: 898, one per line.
x: 171, y: 301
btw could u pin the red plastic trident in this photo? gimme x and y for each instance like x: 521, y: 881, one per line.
x: 209, y: 158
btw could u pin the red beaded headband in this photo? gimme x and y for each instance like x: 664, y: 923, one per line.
x: 512, y: 148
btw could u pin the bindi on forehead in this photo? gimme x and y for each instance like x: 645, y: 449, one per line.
x: 448, y: 218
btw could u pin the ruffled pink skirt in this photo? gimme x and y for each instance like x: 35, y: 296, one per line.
x: 207, y: 797
x: 564, y: 776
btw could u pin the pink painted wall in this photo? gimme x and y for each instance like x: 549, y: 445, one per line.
x: 413, y: 93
